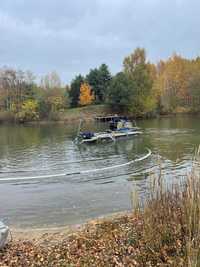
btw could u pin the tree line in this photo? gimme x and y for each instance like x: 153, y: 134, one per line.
x: 140, y: 89
x: 22, y: 99
x: 144, y: 88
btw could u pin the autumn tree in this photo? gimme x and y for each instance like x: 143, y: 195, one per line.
x: 142, y: 74
x: 55, y: 99
x: 52, y: 97
x: 15, y: 87
x: 86, y: 95
x: 131, y: 62
x: 172, y: 83
x: 29, y: 111
x: 194, y: 86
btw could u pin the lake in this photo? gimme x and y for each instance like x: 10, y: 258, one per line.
x: 48, y: 151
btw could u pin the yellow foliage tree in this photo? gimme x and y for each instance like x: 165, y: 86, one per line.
x: 171, y: 83
x: 29, y: 111
x: 86, y: 96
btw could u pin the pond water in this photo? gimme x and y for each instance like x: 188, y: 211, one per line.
x: 48, y: 150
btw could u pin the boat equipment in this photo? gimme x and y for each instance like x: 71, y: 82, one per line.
x: 118, y: 128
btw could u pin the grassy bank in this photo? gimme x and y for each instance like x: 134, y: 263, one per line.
x: 164, y: 232
x: 68, y: 115
x: 87, y: 113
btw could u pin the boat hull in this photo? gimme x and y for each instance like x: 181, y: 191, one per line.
x: 110, y: 136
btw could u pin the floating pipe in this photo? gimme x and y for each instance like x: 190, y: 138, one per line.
x: 80, y: 172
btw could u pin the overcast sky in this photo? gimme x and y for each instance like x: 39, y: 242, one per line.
x: 73, y: 36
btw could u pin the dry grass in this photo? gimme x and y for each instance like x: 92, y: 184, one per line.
x: 172, y: 221
x: 87, y: 112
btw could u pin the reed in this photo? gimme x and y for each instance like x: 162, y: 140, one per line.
x: 171, y: 221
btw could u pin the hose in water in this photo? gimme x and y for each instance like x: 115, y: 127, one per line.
x: 79, y: 172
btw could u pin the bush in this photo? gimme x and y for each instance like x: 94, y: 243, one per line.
x: 28, y: 112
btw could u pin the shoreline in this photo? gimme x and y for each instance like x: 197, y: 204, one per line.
x: 89, y: 113
x: 60, y: 232
x: 91, y: 119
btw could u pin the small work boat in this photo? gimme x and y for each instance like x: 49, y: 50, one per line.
x: 118, y: 128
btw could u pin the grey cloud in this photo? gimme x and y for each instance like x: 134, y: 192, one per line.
x: 74, y: 36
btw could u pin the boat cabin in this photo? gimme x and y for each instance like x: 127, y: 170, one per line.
x: 120, y: 124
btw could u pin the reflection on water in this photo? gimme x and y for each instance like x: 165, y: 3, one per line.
x: 27, y: 151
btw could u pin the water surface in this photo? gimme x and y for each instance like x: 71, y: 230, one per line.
x: 27, y: 151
